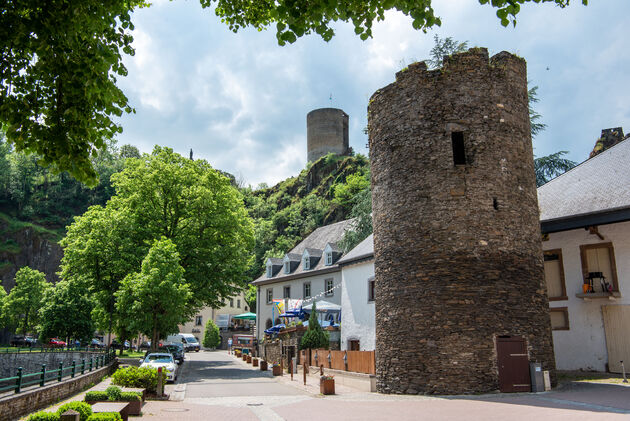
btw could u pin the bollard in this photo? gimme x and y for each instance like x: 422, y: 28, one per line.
x: 60, y: 375
x: 305, y: 368
x: 18, y: 382
x: 291, y: 368
x: 91, y: 363
x: 43, y: 379
x: 82, y: 365
x: 281, y: 366
x: 70, y: 415
x: 160, y: 383
x: 623, y: 369
x: 74, y: 368
x: 321, y: 370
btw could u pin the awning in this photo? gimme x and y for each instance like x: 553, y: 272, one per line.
x: 245, y: 316
x: 323, y: 307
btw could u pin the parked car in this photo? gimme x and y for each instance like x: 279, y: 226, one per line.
x: 95, y: 343
x: 190, y: 342
x: 56, y: 343
x: 22, y: 341
x: 161, y: 359
x: 117, y: 345
x: 145, y: 345
x: 176, y: 349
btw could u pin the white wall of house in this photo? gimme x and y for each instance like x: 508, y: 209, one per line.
x: 235, y: 305
x: 317, y: 287
x: 357, y: 314
x: 583, y: 345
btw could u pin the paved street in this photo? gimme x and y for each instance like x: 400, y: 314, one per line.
x: 217, y: 386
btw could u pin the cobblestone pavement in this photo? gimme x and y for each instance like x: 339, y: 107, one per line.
x: 218, y: 386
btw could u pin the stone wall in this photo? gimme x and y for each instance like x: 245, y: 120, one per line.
x: 458, y: 256
x: 31, y: 362
x: 13, y: 407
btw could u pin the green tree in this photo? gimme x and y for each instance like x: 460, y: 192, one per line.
x: 362, y: 213
x: 66, y: 312
x: 3, y: 298
x: 22, y: 304
x: 211, y: 337
x: 345, y: 193
x: 551, y: 166
x: 444, y: 47
x: 156, y: 299
x: 250, y: 297
x: 315, y: 336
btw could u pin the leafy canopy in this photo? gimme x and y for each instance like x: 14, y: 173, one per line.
x: 22, y: 304
x: 211, y: 337
x: 155, y: 300
x: 67, y: 298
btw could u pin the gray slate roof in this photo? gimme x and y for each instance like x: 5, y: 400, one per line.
x: 599, y: 184
x: 363, y: 250
x: 317, y: 240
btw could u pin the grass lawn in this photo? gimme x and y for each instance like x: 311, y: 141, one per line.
x: 131, y: 354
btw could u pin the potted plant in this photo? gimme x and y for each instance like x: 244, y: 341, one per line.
x: 276, y: 369
x: 249, y: 359
x: 263, y: 365
x: 327, y: 385
x: 244, y: 357
x: 255, y: 362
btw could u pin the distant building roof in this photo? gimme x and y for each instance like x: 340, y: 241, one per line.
x: 593, y: 193
x: 363, y: 250
x: 315, y: 243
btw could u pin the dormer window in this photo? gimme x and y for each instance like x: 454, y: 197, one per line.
x: 287, y: 267
x: 269, y: 271
x: 329, y: 258
x: 306, y: 262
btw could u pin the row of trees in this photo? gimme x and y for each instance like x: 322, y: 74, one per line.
x: 174, y: 237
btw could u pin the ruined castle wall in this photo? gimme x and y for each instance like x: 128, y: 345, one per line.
x: 458, y: 256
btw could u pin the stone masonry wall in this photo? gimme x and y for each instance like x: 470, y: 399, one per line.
x: 458, y: 256
x: 31, y: 362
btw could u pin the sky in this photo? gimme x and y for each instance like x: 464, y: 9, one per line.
x: 240, y: 100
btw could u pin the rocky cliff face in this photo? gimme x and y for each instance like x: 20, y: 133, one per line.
x: 26, y: 246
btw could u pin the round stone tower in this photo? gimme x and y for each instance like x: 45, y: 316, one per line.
x: 458, y: 256
x: 326, y: 131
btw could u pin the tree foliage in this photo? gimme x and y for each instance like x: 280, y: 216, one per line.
x: 315, y: 336
x: 66, y: 312
x: 22, y: 304
x: 155, y: 300
x: 444, y: 47
x: 551, y: 166
x: 211, y: 337
x: 60, y: 60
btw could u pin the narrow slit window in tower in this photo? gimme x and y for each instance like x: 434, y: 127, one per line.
x: 459, y: 153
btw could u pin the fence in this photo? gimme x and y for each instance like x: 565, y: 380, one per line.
x: 43, y: 376
x: 18, y: 350
x: 355, y: 361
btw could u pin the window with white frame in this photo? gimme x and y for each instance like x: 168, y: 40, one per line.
x: 269, y: 271
x: 307, y: 290
x: 286, y: 293
x: 287, y: 267
x: 330, y: 284
x: 306, y: 263
x: 198, y: 320
x: 329, y: 258
x: 269, y: 295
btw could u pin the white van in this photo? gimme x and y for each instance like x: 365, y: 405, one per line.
x: 188, y: 339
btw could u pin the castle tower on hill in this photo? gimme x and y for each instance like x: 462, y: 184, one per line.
x: 326, y: 131
x: 458, y: 255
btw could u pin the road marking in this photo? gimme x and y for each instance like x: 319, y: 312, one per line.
x: 265, y: 413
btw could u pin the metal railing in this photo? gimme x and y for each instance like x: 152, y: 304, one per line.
x: 21, y: 379
x: 41, y: 348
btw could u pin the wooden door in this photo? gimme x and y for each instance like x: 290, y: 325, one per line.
x: 513, y: 364
x: 616, y: 322
x: 353, y: 345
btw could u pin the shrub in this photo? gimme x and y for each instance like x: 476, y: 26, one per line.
x: 211, y: 338
x: 315, y: 337
x: 142, y: 377
x: 105, y: 416
x: 84, y: 409
x: 130, y: 397
x: 113, y: 393
x: 44, y: 416
x: 95, y: 396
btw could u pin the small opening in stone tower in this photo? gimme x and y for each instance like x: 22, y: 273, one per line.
x: 459, y: 152
x: 495, y: 203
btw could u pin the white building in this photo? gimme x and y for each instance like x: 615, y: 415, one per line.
x: 585, y: 219
x: 357, y: 298
x: 310, y: 271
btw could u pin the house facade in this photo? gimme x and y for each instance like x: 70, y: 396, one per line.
x: 585, y: 220
x: 357, y: 298
x: 309, y: 272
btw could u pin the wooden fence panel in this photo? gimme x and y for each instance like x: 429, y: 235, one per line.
x: 362, y: 362
x: 358, y: 361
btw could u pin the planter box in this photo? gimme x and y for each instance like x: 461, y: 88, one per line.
x: 277, y: 370
x: 244, y: 357
x: 263, y: 365
x: 249, y: 359
x: 134, y: 407
x: 327, y: 386
x: 255, y: 362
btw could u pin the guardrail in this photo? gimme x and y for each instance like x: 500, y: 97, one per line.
x: 43, y: 376
x: 18, y: 350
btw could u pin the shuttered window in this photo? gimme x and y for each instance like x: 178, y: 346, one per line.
x: 559, y: 318
x: 599, y: 258
x: 554, y: 275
